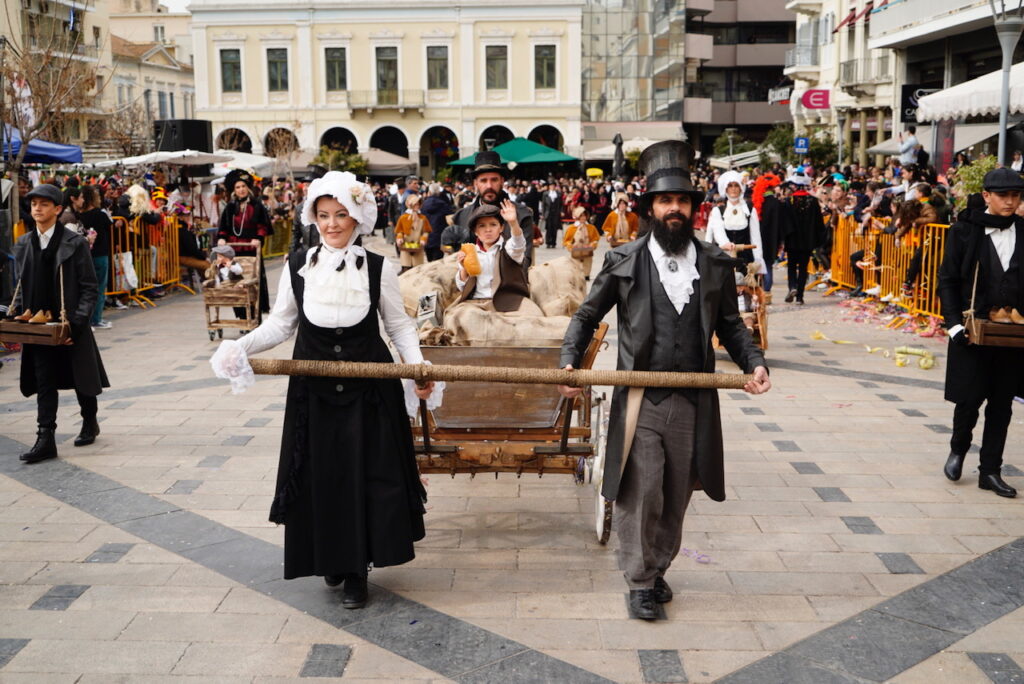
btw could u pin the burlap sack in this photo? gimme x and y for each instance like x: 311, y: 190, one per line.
x: 477, y: 324
x: 558, y: 287
x: 435, y: 276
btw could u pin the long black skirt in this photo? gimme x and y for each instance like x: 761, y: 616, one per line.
x: 348, y: 490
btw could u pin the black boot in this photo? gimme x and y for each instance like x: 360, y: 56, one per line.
x: 643, y: 604
x: 790, y: 297
x: 44, y: 448
x: 90, y: 428
x: 333, y: 580
x: 954, y: 466
x: 994, y: 482
x: 355, y: 593
x: 662, y: 592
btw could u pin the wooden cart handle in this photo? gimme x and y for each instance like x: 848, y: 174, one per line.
x: 423, y: 373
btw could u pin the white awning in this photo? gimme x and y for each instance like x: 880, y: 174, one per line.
x: 892, y: 145
x: 607, y: 152
x: 739, y: 160
x: 966, y: 135
x: 977, y: 97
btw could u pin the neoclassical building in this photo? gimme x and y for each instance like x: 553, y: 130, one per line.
x: 426, y: 80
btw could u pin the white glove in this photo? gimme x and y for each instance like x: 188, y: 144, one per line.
x: 412, y: 402
x: 230, y: 362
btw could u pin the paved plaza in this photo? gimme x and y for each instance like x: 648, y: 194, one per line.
x: 841, y: 555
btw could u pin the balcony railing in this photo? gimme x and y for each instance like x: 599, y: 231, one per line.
x: 863, y: 71
x: 802, y: 56
x: 386, y: 99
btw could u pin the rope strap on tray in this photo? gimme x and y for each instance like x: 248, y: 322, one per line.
x: 423, y: 373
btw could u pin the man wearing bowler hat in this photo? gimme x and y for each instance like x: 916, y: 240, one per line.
x: 55, y: 271
x: 671, y: 292
x: 489, y: 176
x: 983, y: 270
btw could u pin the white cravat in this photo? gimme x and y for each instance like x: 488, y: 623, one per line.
x: 677, y: 272
x: 44, y: 238
x: 1005, y: 241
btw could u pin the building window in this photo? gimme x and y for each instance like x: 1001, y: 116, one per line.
x: 387, y: 75
x: 158, y: 34
x: 277, y: 69
x: 231, y: 71
x: 335, y: 61
x: 161, y: 99
x: 120, y: 94
x: 170, y: 99
x: 497, y: 67
x: 544, y: 66
x: 96, y: 36
x: 437, y: 67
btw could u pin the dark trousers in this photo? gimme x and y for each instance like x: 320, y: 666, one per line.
x: 551, y: 234
x: 914, y: 269
x: 102, y: 266
x: 858, y: 272
x: 48, y: 362
x: 997, y: 419
x: 796, y: 267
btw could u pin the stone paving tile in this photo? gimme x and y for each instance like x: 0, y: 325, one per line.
x: 661, y: 666
x: 97, y: 657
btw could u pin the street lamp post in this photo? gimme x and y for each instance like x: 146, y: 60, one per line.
x: 729, y: 133
x: 1008, y: 27
x: 841, y: 120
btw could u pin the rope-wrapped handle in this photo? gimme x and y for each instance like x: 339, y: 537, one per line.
x: 423, y: 374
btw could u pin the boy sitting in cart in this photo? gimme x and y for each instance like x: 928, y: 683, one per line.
x: 224, y: 271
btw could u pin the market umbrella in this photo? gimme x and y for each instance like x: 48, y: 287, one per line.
x: 384, y: 163
x: 171, y: 158
x: 521, y: 151
x: 607, y: 153
x: 39, y: 151
x: 981, y: 96
x: 620, y: 158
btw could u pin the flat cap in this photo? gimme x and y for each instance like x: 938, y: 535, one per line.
x: 47, y: 192
x: 1002, y: 180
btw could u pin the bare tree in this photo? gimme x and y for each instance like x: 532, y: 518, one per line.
x: 45, y: 79
x: 282, y: 144
x: 130, y: 129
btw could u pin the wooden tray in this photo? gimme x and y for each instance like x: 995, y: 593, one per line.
x: 984, y: 333
x: 46, y: 334
x: 411, y: 250
x: 618, y: 243
x: 582, y: 252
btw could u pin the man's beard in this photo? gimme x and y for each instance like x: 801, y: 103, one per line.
x: 672, y: 239
x: 487, y: 197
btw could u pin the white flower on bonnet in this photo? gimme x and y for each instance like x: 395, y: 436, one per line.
x: 356, y: 197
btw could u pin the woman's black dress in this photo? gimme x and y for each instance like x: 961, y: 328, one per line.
x: 348, y: 489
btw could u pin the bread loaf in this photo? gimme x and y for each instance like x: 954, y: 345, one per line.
x: 471, y: 263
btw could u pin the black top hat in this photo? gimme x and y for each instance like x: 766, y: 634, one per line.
x: 1003, y: 180
x: 47, y: 192
x: 667, y: 167
x: 488, y: 161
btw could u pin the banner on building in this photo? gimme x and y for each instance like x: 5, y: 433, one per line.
x: 909, y: 98
x: 816, y: 98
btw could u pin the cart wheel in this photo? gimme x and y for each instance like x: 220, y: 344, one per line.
x: 210, y: 333
x: 220, y: 333
x: 602, y: 517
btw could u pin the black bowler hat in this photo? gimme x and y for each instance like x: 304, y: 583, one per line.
x: 47, y: 192
x: 667, y: 167
x: 488, y: 161
x: 1003, y: 180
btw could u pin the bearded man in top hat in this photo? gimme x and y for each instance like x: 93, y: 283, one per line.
x: 489, y: 176
x: 56, y: 272
x: 671, y: 292
x: 983, y: 270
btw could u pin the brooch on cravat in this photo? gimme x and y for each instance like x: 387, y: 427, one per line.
x: 672, y: 266
x: 735, y: 211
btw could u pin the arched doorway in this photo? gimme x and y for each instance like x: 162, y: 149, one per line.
x: 339, y: 138
x: 280, y: 142
x: 548, y: 136
x: 390, y: 139
x: 494, y: 136
x: 438, y: 146
x: 234, y: 139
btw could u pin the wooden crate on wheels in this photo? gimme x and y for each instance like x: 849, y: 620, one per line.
x: 244, y: 294
x: 487, y: 428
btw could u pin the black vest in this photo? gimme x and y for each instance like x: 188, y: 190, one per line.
x: 360, y: 342
x: 1001, y: 288
x: 740, y: 236
x: 44, y: 272
x: 677, y: 338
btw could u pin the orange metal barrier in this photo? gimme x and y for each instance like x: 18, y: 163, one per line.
x: 277, y: 244
x: 19, y: 230
x: 144, y: 257
x: 886, y: 262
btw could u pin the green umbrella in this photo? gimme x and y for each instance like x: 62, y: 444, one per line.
x: 521, y: 151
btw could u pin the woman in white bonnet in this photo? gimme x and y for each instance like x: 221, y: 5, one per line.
x: 348, y: 489
x: 735, y: 222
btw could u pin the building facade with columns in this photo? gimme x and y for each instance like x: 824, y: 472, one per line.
x: 832, y: 53
x: 426, y: 80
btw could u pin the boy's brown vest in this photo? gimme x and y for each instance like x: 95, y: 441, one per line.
x: 513, y: 287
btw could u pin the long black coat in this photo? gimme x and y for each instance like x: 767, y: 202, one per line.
x: 973, y: 372
x: 624, y: 282
x: 804, y: 226
x: 551, y: 212
x: 773, y: 222
x: 80, y: 293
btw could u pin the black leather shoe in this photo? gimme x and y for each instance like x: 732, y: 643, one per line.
x: 45, y: 447
x: 790, y: 297
x: 994, y: 482
x: 333, y: 580
x: 355, y: 592
x: 954, y: 465
x: 90, y: 428
x: 643, y: 604
x: 662, y: 592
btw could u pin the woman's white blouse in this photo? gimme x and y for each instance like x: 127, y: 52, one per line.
x: 334, y: 299
x: 717, y: 226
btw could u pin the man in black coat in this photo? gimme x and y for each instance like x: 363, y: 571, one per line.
x: 437, y: 208
x: 57, y: 275
x: 983, y: 271
x: 671, y: 293
x: 489, y: 176
x: 804, y: 230
x: 551, y: 214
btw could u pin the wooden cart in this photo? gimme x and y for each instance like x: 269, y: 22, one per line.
x: 488, y: 428
x: 243, y: 294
